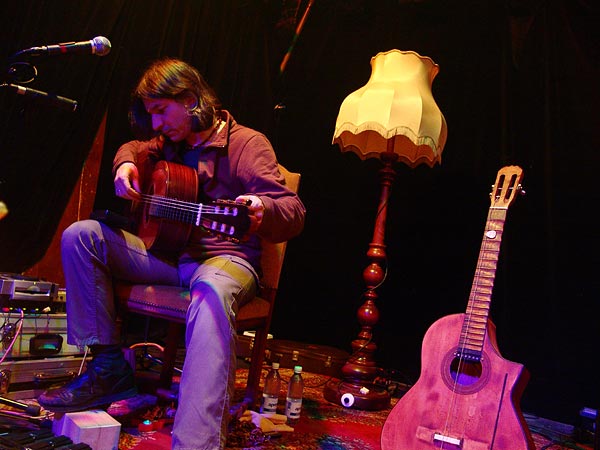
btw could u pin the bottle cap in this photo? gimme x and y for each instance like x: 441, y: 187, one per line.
x: 275, y: 365
x: 298, y: 369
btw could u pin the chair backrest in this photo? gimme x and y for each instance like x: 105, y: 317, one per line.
x: 273, y: 254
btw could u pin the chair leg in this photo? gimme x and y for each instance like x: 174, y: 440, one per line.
x: 174, y: 333
x: 255, y: 371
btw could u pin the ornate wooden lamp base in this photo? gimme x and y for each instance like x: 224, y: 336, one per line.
x: 350, y: 395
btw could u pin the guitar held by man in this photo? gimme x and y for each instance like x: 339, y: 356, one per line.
x: 167, y: 212
x: 467, y: 395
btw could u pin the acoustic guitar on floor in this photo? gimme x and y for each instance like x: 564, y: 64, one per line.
x: 467, y: 396
x: 168, y: 210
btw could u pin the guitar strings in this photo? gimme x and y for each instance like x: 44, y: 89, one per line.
x: 159, y: 200
x: 486, y: 246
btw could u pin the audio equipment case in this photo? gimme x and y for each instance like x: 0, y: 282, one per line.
x: 28, y: 378
x: 313, y: 358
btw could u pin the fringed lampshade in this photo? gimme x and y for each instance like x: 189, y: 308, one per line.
x: 394, y: 112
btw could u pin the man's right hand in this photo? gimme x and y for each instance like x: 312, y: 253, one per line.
x: 127, y: 182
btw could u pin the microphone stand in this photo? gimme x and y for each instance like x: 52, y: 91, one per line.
x: 24, y: 72
x: 30, y: 410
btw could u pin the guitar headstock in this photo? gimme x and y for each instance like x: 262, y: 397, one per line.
x: 506, y: 187
x: 226, y: 218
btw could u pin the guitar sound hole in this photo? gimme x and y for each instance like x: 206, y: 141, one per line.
x: 464, y: 376
x: 465, y: 373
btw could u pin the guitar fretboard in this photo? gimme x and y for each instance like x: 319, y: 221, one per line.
x: 474, y: 327
x: 172, y: 209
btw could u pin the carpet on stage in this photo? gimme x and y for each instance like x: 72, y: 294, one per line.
x: 323, y: 426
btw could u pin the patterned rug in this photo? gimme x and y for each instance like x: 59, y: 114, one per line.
x: 322, y: 426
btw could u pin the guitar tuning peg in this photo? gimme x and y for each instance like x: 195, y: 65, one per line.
x: 520, y: 189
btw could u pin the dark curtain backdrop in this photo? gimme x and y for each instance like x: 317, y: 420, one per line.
x: 518, y: 85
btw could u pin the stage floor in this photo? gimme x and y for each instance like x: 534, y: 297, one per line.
x: 323, y: 425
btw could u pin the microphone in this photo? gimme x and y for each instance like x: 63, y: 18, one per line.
x: 53, y: 99
x: 99, y: 46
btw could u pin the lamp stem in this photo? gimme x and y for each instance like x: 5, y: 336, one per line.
x: 377, y: 246
x: 359, y: 371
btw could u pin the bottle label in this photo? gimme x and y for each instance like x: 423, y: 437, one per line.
x: 293, y: 406
x: 269, y: 404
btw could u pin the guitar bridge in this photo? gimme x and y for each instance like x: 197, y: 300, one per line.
x: 447, y: 439
x: 425, y: 434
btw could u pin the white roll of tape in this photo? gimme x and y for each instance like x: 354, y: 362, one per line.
x: 347, y: 400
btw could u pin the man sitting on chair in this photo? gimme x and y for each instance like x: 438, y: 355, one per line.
x: 183, y: 123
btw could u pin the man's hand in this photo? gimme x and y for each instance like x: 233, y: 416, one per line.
x: 256, y: 208
x: 127, y: 182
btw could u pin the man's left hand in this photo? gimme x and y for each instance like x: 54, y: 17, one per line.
x: 256, y: 208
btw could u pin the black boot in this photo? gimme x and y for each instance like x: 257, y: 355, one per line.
x: 108, y: 378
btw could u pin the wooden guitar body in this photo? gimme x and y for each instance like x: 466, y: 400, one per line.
x: 174, y: 181
x: 457, y: 404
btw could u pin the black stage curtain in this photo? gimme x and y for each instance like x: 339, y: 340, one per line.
x: 518, y: 85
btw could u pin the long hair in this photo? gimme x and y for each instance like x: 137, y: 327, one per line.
x: 173, y: 79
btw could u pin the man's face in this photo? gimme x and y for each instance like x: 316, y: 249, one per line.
x: 169, y: 117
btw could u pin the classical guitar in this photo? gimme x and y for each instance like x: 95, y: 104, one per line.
x: 169, y: 210
x: 467, y: 396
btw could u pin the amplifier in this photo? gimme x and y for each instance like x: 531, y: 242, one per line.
x: 27, y: 293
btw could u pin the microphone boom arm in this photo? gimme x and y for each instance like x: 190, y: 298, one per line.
x: 54, y: 99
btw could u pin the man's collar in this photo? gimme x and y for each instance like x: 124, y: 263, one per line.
x: 225, y: 120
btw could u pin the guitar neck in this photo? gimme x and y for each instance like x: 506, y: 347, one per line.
x: 226, y: 218
x: 472, y: 336
x: 473, y: 333
x: 173, y: 209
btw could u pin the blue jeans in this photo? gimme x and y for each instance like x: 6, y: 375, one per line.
x: 94, y: 254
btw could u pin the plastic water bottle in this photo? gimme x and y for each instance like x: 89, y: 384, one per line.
x: 271, y: 390
x: 293, y: 401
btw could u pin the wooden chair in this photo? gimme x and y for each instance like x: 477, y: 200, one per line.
x: 171, y: 303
